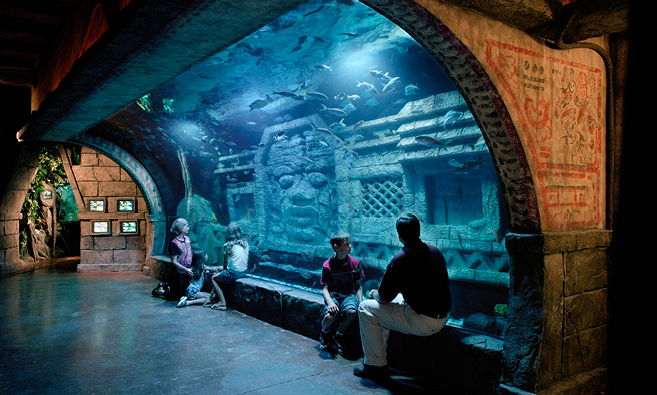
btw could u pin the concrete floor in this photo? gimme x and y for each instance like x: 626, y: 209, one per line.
x: 68, y: 333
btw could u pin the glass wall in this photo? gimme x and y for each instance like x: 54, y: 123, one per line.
x: 331, y: 118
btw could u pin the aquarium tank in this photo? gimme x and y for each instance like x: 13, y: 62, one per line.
x: 330, y: 118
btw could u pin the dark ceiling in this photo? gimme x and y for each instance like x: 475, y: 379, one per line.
x: 28, y: 31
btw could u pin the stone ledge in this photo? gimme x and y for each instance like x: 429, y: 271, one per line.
x: 465, y: 360
x: 455, y: 359
x: 109, y: 268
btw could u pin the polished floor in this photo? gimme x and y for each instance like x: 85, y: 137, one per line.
x: 68, y: 333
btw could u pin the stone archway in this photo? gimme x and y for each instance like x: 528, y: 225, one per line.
x: 156, y: 209
x: 525, y: 325
x: 484, y: 101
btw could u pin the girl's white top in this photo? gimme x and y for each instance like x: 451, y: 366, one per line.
x: 239, y: 256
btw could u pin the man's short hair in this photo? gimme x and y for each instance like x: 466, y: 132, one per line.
x: 408, y: 227
x: 339, y: 238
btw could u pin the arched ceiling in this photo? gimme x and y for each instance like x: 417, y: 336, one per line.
x: 151, y: 42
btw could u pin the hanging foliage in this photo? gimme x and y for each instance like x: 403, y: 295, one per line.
x: 50, y: 171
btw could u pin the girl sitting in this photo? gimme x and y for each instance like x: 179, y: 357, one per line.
x: 193, y: 295
x: 236, y: 257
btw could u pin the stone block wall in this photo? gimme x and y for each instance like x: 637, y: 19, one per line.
x: 12, y: 197
x: 563, y: 296
x: 100, y: 178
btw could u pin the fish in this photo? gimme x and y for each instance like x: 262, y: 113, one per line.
x: 431, y: 142
x: 312, y: 12
x: 324, y: 130
x: 260, y: 103
x: 321, y: 40
x: 367, y: 86
x: 451, y: 117
x: 352, y: 97
x: 349, y: 107
x: 350, y: 34
x: 290, y: 95
x: 316, y: 95
x: 464, y: 167
x: 237, y: 198
x: 411, y: 89
x: 251, y: 123
x: 256, y: 52
x: 306, y: 159
x: 371, y: 102
x: 378, y: 74
x: 357, y: 125
x: 323, y: 67
x: 337, y: 125
x: 390, y: 85
x: 480, y: 143
x: 334, y: 111
x: 280, y: 135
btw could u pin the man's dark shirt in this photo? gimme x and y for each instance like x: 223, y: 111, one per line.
x: 419, y: 272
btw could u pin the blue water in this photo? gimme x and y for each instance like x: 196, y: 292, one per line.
x: 327, y: 119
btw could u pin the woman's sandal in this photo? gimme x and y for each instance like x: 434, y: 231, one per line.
x: 208, y: 303
x: 218, y: 306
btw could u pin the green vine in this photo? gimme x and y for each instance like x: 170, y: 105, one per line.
x: 50, y: 171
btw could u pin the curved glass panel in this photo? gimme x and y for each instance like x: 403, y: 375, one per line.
x: 331, y: 118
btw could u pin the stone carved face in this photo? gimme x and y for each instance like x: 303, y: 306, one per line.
x: 301, y: 189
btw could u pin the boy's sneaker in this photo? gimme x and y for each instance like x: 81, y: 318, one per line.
x: 325, y: 342
x: 339, y: 340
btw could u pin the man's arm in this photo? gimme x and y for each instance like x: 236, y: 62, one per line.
x: 375, y: 295
x: 359, y: 292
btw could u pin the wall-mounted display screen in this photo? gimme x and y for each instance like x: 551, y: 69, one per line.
x: 125, y: 205
x: 100, y: 228
x: 128, y: 227
x: 97, y: 205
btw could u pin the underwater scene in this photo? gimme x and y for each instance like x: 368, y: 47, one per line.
x: 330, y: 118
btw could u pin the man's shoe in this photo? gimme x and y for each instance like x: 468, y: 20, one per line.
x: 374, y: 373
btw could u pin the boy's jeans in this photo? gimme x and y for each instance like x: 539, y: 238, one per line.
x: 376, y: 321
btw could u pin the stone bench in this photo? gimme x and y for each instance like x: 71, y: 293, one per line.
x: 454, y: 359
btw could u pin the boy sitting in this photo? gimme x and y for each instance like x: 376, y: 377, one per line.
x: 341, y: 276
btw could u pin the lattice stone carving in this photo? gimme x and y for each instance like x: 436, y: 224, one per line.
x: 381, y: 197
